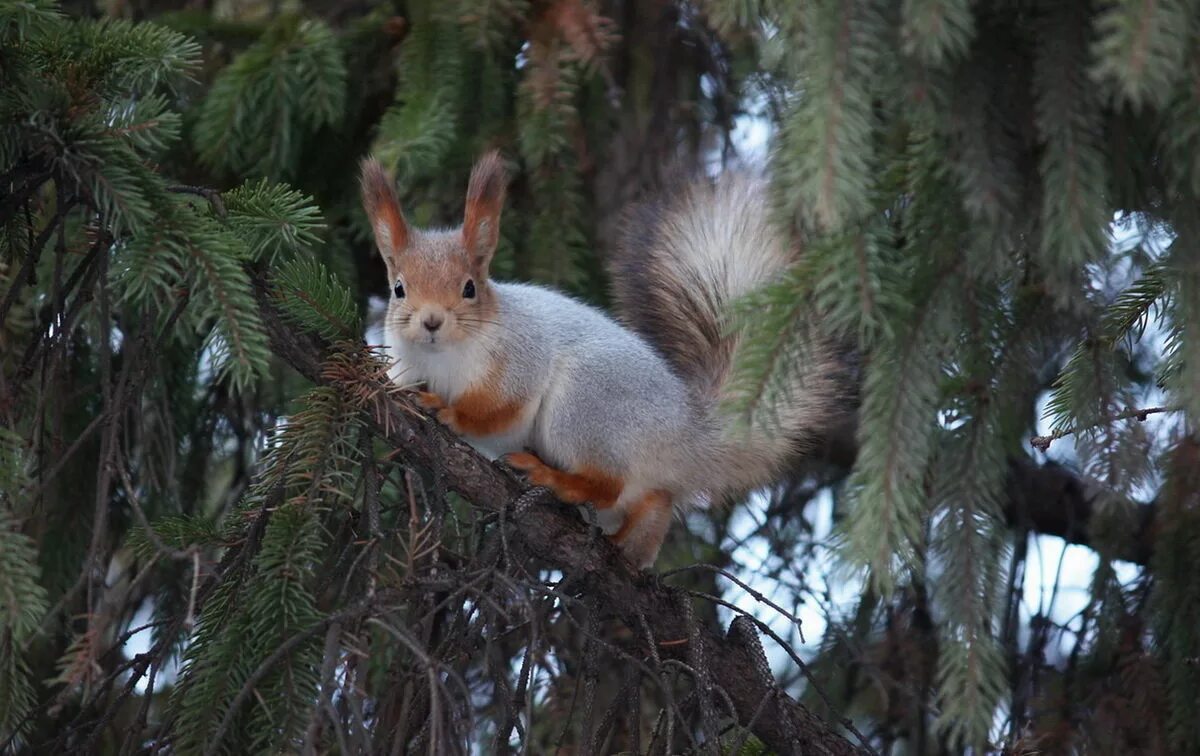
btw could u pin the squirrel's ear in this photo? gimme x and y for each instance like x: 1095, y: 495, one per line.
x: 383, y: 210
x: 485, y: 198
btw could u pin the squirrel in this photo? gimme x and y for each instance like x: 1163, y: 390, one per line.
x: 624, y: 415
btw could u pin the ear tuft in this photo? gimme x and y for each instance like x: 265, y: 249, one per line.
x: 485, y: 200
x: 383, y: 210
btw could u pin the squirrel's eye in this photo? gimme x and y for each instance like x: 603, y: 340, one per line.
x: 469, y: 290
x: 399, y: 290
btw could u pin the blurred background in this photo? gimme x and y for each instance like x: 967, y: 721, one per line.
x: 992, y: 549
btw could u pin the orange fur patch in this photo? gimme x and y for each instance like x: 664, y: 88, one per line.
x: 576, y: 487
x: 482, y: 410
x: 638, y: 511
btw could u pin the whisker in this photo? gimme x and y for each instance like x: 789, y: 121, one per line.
x: 477, y: 326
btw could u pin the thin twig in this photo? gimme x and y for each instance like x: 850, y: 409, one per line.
x: 756, y: 595
x: 136, y: 504
x: 63, y: 324
x: 1043, y: 442
x: 32, y: 255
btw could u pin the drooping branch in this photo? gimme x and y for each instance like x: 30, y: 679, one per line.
x: 537, y: 525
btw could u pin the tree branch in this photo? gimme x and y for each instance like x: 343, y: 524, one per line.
x: 1043, y: 442
x: 540, y: 526
x: 1049, y: 499
x: 1053, y: 500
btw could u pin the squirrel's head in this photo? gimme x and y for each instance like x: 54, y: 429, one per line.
x: 440, y: 293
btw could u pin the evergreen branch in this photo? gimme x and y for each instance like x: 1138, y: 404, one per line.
x: 1091, y: 389
x: 415, y: 136
x: 238, y: 341
x: 418, y: 130
x: 272, y: 219
x: 272, y: 97
x: 147, y: 124
x: 151, y: 535
x: 287, y: 647
x: 827, y: 149
x: 490, y: 22
x: 1175, y: 596
x: 901, y: 390
x: 20, y: 18
x: 970, y: 544
x: 1084, y: 391
x: 773, y: 334
x: 138, y: 57
x: 1043, y: 442
x: 1069, y: 120
x: 1181, y: 369
x: 858, y: 289
x: 314, y: 299
x: 547, y: 119
x: 1128, y: 314
x: 118, y: 184
x: 937, y: 31
x: 557, y: 535
x: 130, y: 381
x: 22, y: 602
x: 1140, y: 47
x: 22, y: 598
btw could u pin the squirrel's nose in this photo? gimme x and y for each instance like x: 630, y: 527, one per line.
x: 432, y: 322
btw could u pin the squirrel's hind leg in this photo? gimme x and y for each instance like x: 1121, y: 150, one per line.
x: 575, y: 487
x: 647, y: 521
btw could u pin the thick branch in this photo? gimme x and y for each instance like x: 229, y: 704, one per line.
x: 1049, y: 499
x: 538, y: 525
x: 1053, y: 500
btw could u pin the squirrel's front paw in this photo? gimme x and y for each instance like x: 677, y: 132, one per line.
x: 447, y: 417
x: 523, y: 461
x: 428, y: 400
x: 444, y: 413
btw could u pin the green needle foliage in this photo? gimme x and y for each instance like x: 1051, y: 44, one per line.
x: 23, y: 603
x: 271, y: 98
x: 1176, y: 597
x: 272, y: 600
x: 316, y: 301
x: 1139, y: 49
x: 949, y: 165
x: 995, y: 208
x: 272, y: 220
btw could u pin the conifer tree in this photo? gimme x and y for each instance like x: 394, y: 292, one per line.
x: 223, y: 531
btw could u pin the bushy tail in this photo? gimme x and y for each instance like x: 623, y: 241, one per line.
x: 682, y: 261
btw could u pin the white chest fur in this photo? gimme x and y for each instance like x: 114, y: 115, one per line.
x: 449, y: 373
